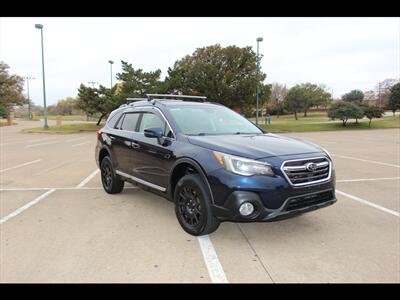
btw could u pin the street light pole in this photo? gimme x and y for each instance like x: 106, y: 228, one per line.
x: 29, y: 99
x: 111, y: 63
x: 40, y: 26
x: 260, y: 39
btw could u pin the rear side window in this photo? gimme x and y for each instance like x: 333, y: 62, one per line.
x: 113, y: 120
x: 129, y: 122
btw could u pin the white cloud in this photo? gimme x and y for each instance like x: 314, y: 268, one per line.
x: 343, y: 53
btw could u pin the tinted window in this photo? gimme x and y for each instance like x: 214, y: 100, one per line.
x: 150, y: 120
x: 129, y: 122
x: 113, y: 119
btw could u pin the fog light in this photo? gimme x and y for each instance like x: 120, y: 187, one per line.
x: 246, y: 209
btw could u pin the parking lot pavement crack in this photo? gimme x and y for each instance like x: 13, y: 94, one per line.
x: 255, y: 253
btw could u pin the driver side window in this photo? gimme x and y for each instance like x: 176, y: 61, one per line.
x: 150, y: 120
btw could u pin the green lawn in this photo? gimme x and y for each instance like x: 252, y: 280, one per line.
x: 71, y: 118
x: 68, y: 128
x: 320, y: 122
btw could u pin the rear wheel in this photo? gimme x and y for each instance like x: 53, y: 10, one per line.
x: 112, y: 183
x: 192, y: 206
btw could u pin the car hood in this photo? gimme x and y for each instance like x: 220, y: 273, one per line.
x: 254, y: 146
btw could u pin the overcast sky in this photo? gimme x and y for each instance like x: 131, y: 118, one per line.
x: 343, y: 53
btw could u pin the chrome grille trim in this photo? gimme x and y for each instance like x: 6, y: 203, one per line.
x: 321, y: 165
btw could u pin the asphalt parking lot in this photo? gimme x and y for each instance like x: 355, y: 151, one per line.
x: 58, y: 225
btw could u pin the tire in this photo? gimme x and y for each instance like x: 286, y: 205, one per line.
x: 192, y: 206
x: 112, y: 183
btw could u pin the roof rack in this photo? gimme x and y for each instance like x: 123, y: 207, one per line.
x: 177, y: 97
x: 129, y: 100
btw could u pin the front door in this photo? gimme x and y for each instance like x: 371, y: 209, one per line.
x: 153, y: 157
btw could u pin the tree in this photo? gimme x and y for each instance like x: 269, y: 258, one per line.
x: 3, y: 111
x: 315, y: 96
x: 278, y: 94
x: 370, y: 95
x: 65, y: 106
x: 136, y: 82
x: 225, y: 75
x: 354, y: 95
x: 394, y: 98
x: 296, y: 100
x: 11, y: 87
x: 383, y: 90
x: 373, y: 112
x: 97, y: 100
x: 344, y: 111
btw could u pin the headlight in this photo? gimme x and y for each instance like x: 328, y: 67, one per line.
x: 243, y: 166
x: 327, y: 153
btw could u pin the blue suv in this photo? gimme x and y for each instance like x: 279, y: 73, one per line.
x: 211, y: 162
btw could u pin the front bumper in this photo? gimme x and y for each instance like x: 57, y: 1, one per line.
x: 273, y: 197
x: 292, y: 206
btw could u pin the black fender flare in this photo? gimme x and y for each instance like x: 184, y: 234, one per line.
x: 199, y: 170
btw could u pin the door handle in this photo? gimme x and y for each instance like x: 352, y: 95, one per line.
x: 135, y: 145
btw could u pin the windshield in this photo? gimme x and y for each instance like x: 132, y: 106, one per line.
x: 211, y: 120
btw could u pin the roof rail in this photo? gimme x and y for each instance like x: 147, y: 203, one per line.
x: 129, y: 100
x: 177, y: 97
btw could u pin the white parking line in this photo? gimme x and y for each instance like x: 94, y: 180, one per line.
x: 22, y: 141
x: 367, y: 179
x: 21, y: 165
x: 26, y: 206
x: 214, y: 267
x: 75, y: 139
x: 60, y: 188
x: 395, y: 213
x: 84, y: 143
x: 87, y: 179
x: 41, y: 144
x: 365, y: 160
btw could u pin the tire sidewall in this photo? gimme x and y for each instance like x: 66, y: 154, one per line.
x: 107, y: 160
x: 194, y: 181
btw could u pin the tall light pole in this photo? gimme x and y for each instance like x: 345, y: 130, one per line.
x: 259, y: 39
x: 29, y: 99
x: 40, y: 26
x: 111, y: 63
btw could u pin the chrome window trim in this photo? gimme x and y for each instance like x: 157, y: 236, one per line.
x: 306, y: 183
x: 144, y: 182
x: 141, y: 112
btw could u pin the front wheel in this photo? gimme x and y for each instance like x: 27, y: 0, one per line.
x: 192, y: 206
x: 112, y: 183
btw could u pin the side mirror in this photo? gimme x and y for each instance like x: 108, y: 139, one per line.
x: 153, y: 133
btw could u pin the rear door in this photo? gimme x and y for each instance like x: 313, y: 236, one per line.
x: 122, y: 141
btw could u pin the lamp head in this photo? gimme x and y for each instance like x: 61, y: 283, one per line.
x: 38, y: 26
x: 110, y: 61
x: 260, y: 39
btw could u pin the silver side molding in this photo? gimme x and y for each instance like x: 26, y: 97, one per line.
x: 144, y: 182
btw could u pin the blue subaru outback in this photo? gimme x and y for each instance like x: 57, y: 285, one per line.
x: 211, y: 162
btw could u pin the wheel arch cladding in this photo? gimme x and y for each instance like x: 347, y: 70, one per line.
x: 103, y: 153
x: 181, y: 168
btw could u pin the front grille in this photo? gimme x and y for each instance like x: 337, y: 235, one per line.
x: 309, y: 200
x: 307, y: 171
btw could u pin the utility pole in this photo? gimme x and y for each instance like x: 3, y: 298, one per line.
x: 92, y: 83
x: 259, y: 39
x: 29, y: 99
